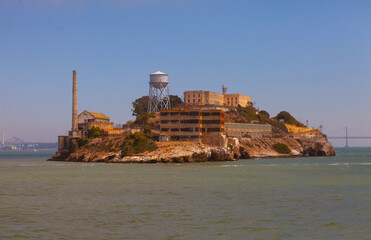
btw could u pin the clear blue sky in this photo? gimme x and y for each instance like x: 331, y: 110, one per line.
x: 311, y: 58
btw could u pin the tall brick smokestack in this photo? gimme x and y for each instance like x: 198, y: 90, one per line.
x: 74, y: 103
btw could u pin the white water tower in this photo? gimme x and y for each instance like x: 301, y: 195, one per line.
x: 158, y: 97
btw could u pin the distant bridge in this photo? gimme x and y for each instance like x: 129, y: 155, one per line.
x: 347, y: 137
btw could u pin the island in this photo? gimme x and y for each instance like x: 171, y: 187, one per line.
x: 206, y: 126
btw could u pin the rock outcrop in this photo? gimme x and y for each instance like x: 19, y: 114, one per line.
x: 317, y: 147
x: 109, y: 150
x: 174, y: 152
x: 245, y: 148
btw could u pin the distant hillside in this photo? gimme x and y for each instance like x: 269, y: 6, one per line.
x: 30, y: 146
x: 14, y: 140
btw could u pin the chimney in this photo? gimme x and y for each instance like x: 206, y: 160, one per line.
x: 74, y: 104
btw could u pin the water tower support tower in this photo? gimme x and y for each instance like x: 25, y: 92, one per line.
x: 158, y: 97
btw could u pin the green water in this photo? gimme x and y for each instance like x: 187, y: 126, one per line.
x: 300, y: 198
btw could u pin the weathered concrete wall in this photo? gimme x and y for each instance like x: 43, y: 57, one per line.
x: 233, y: 100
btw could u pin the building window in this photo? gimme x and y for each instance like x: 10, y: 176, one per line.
x: 236, y: 102
x: 236, y: 98
x: 188, y: 100
x: 199, y: 95
x: 194, y: 95
x: 194, y: 100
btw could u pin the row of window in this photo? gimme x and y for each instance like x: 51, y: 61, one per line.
x: 199, y: 95
x: 194, y: 100
x: 248, y: 127
x: 194, y: 95
x: 192, y: 121
x: 179, y: 113
x: 191, y: 129
x: 245, y: 134
x: 190, y: 113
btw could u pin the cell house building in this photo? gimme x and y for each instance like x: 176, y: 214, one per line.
x: 189, y: 124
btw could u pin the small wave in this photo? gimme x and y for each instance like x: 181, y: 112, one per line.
x: 34, y: 165
x: 229, y: 166
x: 347, y: 164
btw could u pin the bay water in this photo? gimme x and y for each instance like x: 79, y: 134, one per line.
x: 296, y: 198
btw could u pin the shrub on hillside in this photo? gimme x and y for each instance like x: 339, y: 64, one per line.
x: 136, y: 143
x: 82, y: 142
x: 275, y: 124
x: 142, y: 119
x: 249, y: 113
x: 288, y: 118
x: 281, y: 148
x: 95, y: 132
x: 264, y: 114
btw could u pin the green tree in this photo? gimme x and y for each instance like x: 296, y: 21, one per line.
x: 249, y: 112
x: 96, y: 132
x: 264, y: 113
x: 143, y: 119
x: 137, y: 143
x: 175, y: 100
x: 288, y: 118
x: 140, y: 106
x: 147, y: 130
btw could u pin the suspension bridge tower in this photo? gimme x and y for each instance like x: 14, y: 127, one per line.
x: 158, y: 97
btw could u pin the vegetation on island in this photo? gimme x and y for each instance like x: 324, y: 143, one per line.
x: 131, y: 144
x: 95, y: 132
x: 281, y: 148
x: 143, y: 118
x: 250, y: 114
x: 140, y: 105
x: 288, y: 118
x: 136, y: 143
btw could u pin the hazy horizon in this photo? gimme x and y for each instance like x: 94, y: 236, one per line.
x: 310, y: 58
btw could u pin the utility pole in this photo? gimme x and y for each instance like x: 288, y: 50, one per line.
x: 346, y: 137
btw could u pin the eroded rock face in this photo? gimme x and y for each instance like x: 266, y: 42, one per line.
x: 246, y: 148
x: 108, y: 150
x: 263, y: 148
x: 174, y: 152
x: 318, y: 148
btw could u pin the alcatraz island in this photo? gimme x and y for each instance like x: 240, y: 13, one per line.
x: 206, y: 126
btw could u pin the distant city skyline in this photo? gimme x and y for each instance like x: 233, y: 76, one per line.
x: 310, y: 58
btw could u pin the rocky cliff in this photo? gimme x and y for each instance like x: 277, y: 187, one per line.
x: 98, y: 151
x: 246, y: 148
x: 108, y: 150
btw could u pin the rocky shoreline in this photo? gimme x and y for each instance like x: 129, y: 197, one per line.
x: 104, y: 150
